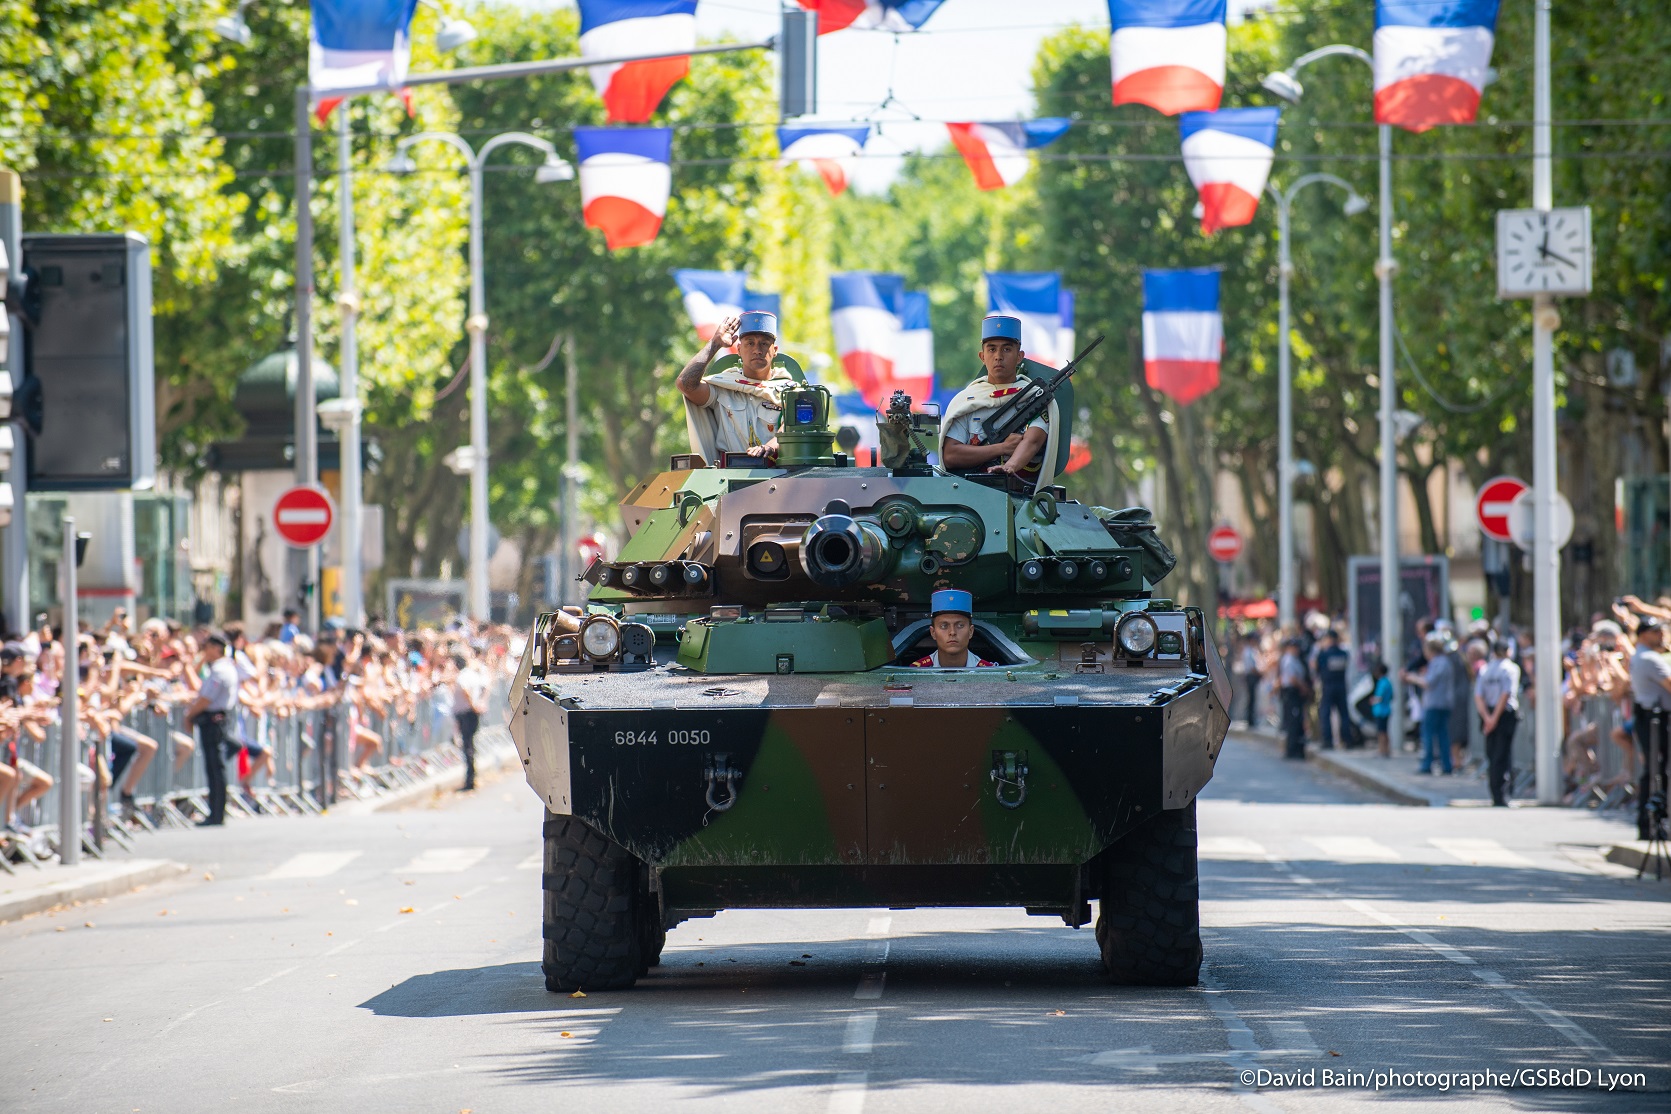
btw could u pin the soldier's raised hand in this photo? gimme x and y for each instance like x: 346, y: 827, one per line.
x: 726, y: 335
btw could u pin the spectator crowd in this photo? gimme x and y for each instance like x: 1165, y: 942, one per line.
x: 163, y: 691
x: 1473, y: 683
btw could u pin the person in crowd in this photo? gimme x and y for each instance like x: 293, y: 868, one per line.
x: 216, y: 700
x: 1295, y: 686
x: 1333, y: 662
x: 1650, y: 682
x: 469, y: 701
x: 1497, y: 699
x: 1247, y: 675
x: 1437, y: 684
x: 1380, y: 705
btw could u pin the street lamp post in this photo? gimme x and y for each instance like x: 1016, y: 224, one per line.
x: 348, y: 532
x: 1355, y: 204
x: 1284, y: 84
x: 554, y: 169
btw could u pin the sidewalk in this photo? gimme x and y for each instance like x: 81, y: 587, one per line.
x: 1395, y: 778
x: 32, y: 891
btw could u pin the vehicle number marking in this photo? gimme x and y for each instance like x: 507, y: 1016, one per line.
x: 688, y: 738
x: 635, y: 738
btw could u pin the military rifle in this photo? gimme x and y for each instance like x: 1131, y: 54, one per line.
x: 1030, y: 401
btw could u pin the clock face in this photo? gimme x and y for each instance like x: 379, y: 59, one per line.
x: 1543, y: 252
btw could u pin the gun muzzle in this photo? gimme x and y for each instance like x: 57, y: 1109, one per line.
x: 839, y: 550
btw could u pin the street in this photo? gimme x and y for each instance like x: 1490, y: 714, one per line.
x: 390, y: 961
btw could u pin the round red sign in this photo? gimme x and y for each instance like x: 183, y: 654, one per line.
x: 1492, y: 505
x: 1224, y: 544
x: 302, y: 516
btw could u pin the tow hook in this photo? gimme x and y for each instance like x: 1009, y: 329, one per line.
x: 1009, y: 774
x: 721, y: 776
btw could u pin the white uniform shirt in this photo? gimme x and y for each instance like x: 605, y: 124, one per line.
x: 743, y: 420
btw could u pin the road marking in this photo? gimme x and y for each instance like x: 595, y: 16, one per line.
x: 871, y: 983
x: 444, y: 860
x: 1292, y: 1034
x: 312, y: 864
x: 342, y: 947
x: 1480, y: 852
x: 187, y: 1016
x: 270, y: 978
x: 1230, y: 847
x: 861, y: 1033
x: 536, y: 861
x: 1354, y: 849
x: 847, y: 1096
x: 1244, y: 1047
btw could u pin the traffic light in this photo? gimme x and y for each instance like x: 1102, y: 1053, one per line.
x: 797, y: 49
x: 89, y: 395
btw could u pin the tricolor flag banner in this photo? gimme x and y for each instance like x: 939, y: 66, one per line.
x: 626, y: 176
x: 997, y: 153
x: 1183, y: 332
x: 711, y: 297
x: 353, y: 44
x: 914, y: 359
x: 1431, y: 58
x: 766, y: 303
x: 1067, y: 340
x: 828, y: 150
x: 884, y: 15
x: 631, y: 91
x: 865, y: 311
x: 1168, y: 54
x: 1036, y: 298
x: 1228, y: 155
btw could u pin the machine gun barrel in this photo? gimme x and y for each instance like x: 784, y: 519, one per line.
x: 839, y: 550
x: 1033, y: 400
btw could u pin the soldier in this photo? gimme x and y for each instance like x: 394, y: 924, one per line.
x: 737, y: 410
x: 951, y: 622
x: 961, y: 438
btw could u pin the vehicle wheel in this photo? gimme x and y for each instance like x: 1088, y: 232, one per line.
x: 1149, y: 920
x: 591, y: 926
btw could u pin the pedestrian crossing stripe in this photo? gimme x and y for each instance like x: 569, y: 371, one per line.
x: 312, y: 864
x: 1354, y: 849
x: 1480, y: 852
x: 1231, y: 847
x: 445, y: 860
x: 536, y: 861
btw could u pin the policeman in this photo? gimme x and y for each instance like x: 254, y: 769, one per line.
x: 963, y: 444
x: 736, y: 410
x: 951, y: 622
x: 216, y: 699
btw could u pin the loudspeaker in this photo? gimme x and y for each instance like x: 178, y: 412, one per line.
x: 90, y: 348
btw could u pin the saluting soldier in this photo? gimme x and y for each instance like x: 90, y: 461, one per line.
x: 951, y: 621
x: 964, y: 445
x: 736, y: 410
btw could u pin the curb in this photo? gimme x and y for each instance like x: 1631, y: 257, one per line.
x: 1386, y: 787
x: 1634, y: 856
x: 112, y: 879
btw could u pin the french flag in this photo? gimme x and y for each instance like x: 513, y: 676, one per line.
x: 1168, y: 54
x: 885, y: 15
x: 997, y: 153
x: 626, y: 176
x: 1183, y: 332
x: 711, y: 297
x: 829, y: 150
x: 914, y: 355
x: 353, y: 44
x: 631, y: 91
x: 765, y: 303
x: 1067, y: 340
x: 1228, y: 155
x: 1431, y: 59
x: 865, y: 316
x: 1036, y: 298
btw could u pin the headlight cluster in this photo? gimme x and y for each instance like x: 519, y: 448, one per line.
x: 600, y: 638
x: 1136, y: 634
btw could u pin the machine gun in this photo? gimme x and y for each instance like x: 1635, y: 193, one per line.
x: 1031, y: 401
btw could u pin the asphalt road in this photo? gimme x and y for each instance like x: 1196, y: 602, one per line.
x: 390, y: 962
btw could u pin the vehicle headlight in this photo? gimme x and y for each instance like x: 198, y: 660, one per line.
x: 1137, y: 635
x: 600, y: 638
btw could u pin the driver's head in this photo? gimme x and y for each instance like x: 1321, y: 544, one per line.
x: 757, y: 343
x: 1001, y: 346
x: 951, y: 620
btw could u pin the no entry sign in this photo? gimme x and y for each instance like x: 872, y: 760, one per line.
x: 1224, y: 544
x: 1492, y: 506
x: 302, y: 516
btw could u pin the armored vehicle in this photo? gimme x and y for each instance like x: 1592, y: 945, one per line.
x: 734, y: 720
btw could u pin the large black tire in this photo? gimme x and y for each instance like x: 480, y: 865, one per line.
x: 1149, y: 920
x: 594, y: 939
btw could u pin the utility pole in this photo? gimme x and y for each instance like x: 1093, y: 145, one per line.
x: 1546, y: 567
x: 568, y: 537
x: 69, y: 776
x: 306, y: 440
x: 14, y: 539
x: 348, y: 301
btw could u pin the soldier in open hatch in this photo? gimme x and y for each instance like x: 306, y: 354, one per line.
x: 736, y: 410
x: 963, y: 442
x: 951, y: 622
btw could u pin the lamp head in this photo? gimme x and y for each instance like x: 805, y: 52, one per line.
x: 233, y: 29
x: 554, y: 169
x: 1355, y: 204
x: 400, y: 163
x: 454, y: 33
x: 1285, y: 85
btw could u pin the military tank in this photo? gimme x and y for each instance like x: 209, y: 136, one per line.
x: 733, y: 720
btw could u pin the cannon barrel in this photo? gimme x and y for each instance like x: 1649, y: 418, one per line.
x: 839, y: 550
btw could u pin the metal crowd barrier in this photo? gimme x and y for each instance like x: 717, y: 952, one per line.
x: 1609, y: 783
x: 312, y: 754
